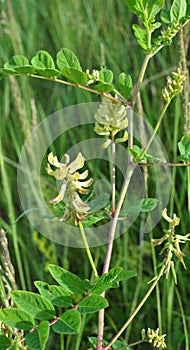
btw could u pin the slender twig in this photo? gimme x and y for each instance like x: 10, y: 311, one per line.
x: 155, y: 130
x: 136, y: 310
x: 88, y: 252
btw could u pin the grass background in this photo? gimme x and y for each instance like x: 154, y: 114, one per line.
x: 99, y: 32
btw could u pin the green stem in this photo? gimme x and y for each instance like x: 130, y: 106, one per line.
x: 140, y: 78
x: 136, y: 310
x: 88, y: 252
x: 155, y: 130
x: 184, y: 320
x: 188, y: 189
x: 83, y: 87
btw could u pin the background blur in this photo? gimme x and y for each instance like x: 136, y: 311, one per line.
x: 100, y: 33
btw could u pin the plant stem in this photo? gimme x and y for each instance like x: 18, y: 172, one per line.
x: 141, y: 77
x: 107, y: 260
x: 155, y: 130
x: 83, y: 87
x: 136, y: 310
x: 188, y: 189
x: 183, y: 319
x: 88, y: 252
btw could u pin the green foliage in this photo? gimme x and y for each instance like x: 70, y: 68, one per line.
x: 125, y: 84
x: 68, y: 323
x: 184, y: 148
x: 38, y: 339
x: 71, y: 282
x: 37, y: 314
x: 57, y: 295
x: 36, y: 305
x: 178, y: 10
x: 16, y: 318
x: 91, y: 304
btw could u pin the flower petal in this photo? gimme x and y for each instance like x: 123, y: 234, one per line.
x: 78, y: 163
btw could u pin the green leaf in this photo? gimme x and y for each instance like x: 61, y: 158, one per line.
x: 4, y: 342
x: 68, y: 323
x: 43, y: 60
x: 67, y: 59
x: 48, y: 72
x: 178, y: 10
x: 134, y: 6
x: 91, y: 304
x: 58, y: 296
x: 124, y: 275
x: 94, y: 340
x: 153, y: 7
x: 7, y: 71
x: 16, y: 318
x: 105, y: 281
x: 99, y: 202
x: 106, y: 75
x: 92, y: 219
x: 103, y: 87
x: 75, y: 75
x: 141, y: 36
x: 140, y: 206
x: 36, y: 305
x: 149, y: 204
x: 165, y: 17
x: 184, y: 148
x: 125, y: 84
x: 17, y: 61
x: 71, y: 282
x: 38, y: 339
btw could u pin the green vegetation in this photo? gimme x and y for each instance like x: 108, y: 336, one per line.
x: 131, y: 73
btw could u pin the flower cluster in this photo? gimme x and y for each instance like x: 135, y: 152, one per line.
x: 71, y: 185
x: 166, y: 36
x: 92, y: 77
x: 154, y: 338
x: 111, y: 117
x: 172, y: 245
x: 174, y: 85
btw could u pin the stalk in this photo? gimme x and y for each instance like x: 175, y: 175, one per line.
x: 88, y: 252
x: 136, y: 310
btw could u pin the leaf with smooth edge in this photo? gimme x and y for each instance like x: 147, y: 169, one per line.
x: 141, y: 36
x: 153, y: 7
x: 25, y: 70
x: 103, y: 87
x: 17, y: 61
x: 7, y: 71
x: 75, y: 75
x: 67, y: 279
x: 4, y: 342
x: 38, y: 339
x: 134, y: 6
x: 68, y: 323
x: 99, y: 202
x: 43, y: 60
x: 93, y: 219
x: 125, y: 84
x: 149, y: 204
x: 106, y: 75
x: 105, y: 281
x: 48, y: 72
x: 36, y: 305
x: 184, y: 148
x: 16, y: 318
x: 165, y: 16
x: 91, y: 304
x: 58, y: 296
x: 178, y: 10
x: 66, y: 58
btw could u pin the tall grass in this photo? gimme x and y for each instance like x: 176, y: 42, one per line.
x: 99, y: 32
